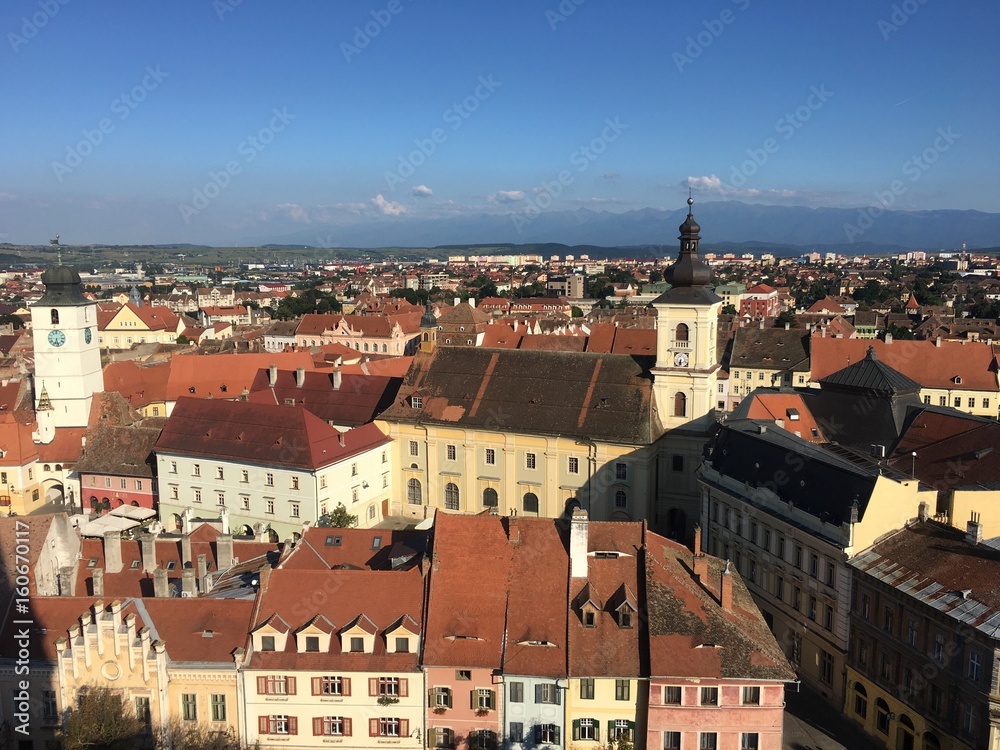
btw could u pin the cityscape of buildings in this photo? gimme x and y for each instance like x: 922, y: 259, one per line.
x: 465, y: 506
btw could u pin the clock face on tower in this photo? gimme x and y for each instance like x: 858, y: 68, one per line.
x: 57, y: 338
x: 87, y: 335
x: 681, y: 359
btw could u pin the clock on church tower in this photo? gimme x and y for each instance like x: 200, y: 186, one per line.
x: 67, y: 358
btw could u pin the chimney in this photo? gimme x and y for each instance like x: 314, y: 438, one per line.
x: 224, y: 520
x: 578, y: 543
x: 113, y: 551
x: 787, y: 325
x: 761, y: 325
x: 923, y: 512
x: 937, y: 342
x: 726, y: 589
x: 66, y: 580
x: 888, y: 338
x: 699, y: 564
x: 203, y: 573
x: 472, y: 301
x: 458, y: 301
x: 300, y: 376
x: 148, y: 544
x: 185, y: 549
x: 98, y: 576
x: 338, y: 377
x: 188, y: 587
x: 161, y: 589
x: 272, y: 375
x: 224, y: 551
x: 974, y: 530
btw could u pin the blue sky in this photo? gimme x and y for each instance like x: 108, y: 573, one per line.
x: 221, y: 121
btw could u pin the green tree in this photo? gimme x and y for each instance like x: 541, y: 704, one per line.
x: 786, y: 316
x: 728, y: 310
x: 12, y: 320
x: 102, y: 721
x: 898, y: 332
x: 338, y: 519
x: 576, y: 312
x: 187, y: 736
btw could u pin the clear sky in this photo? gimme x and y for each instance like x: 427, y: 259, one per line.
x: 201, y: 121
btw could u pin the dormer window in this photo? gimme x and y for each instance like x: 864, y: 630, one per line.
x: 357, y: 645
x: 624, y: 617
x: 267, y: 643
x: 417, y: 402
x: 958, y: 380
x: 312, y: 643
x: 402, y: 645
x: 589, y: 618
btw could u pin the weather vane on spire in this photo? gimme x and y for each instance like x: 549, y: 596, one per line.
x: 59, y: 251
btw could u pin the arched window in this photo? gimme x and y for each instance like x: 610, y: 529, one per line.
x: 530, y: 502
x: 48, y: 468
x: 451, y: 496
x: 385, y: 348
x: 426, y: 337
x: 178, y: 523
x: 55, y: 317
x: 93, y: 502
x: 490, y: 499
x: 621, y: 499
x: 680, y: 405
x: 135, y: 503
x: 860, y: 700
x: 931, y: 742
x: 681, y: 332
x: 414, y: 496
x: 882, y: 716
x: 366, y: 347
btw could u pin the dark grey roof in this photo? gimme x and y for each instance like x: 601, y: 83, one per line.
x: 62, y: 288
x: 815, y: 480
x: 123, y: 451
x: 770, y: 348
x: 871, y: 375
x: 606, y: 397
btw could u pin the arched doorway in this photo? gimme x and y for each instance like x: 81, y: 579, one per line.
x: 53, y: 491
x: 490, y: 498
x: 676, y: 523
x: 931, y: 742
x: 247, y: 530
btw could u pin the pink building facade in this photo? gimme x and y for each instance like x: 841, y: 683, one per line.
x: 463, y: 708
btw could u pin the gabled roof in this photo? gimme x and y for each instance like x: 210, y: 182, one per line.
x: 119, y: 450
x: 323, y: 548
x: 692, y: 635
x: 954, y: 449
x: 464, y: 314
x: 358, y: 399
x: 226, y: 376
x: 770, y: 348
x: 601, y: 397
x: 261, y: 433
x: 139, y: 385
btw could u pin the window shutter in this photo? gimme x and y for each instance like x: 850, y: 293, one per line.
x: 555, y: 731
x: 597, y: 731
x: 450, y: 737
x: 262, y: 724
x: 404, y: 687
x: 404, y: 727
x: 347, y: 727
x: 472, y: 699
x: 372, y: 686
x: 293, y: 725
x: 447, y: 697
x: 557, y: 691
x: 291, y: 686
x: 576, y: 729
x: 631, y: 729
x: 261, y: 686
x: 432, y: 697
x: 317, y: 726
x: 538, y: 695
x: 432, y: 737
x: 611, y: 730
x: 493, y: 700
x: 373, y: 727
x: 317, y: 685
x: 538, y: 730
x: 345, y: 686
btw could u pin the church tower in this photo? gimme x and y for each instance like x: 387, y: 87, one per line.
x: 428, y: 330
x: 67, y: 358
x: 685, y: 380
x: 685, y: 377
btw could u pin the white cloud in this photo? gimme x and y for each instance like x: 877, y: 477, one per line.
x: 388, y: 208
x: 713, y: 185
x: 507, y: 196
x: 422, y: 191
x: 294, y: 211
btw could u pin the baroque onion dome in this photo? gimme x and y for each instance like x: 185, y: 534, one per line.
x: 427, y: 320
x: 62, y: 287
x: 689, y: 270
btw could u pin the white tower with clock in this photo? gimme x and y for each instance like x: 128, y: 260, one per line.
x: 685, y: 379
x: 67, y: 359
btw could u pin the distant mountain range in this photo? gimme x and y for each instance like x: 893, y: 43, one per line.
x: 754, y: 226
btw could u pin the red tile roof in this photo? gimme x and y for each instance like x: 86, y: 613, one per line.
x: 358, y: 399
x: 200, y: 629
x: 931, y: 365
x: 341, y: 596
x: 139, y: 385
x: 468, y: 591
x: 224, y: 376
x: 774, y: 406
x: 261, y: 433
x: 322, y: 548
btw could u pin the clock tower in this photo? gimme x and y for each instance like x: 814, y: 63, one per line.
x: 685, y: 378
x: 67, y: 359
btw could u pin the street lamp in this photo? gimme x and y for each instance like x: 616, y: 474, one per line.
x: 913, y: 465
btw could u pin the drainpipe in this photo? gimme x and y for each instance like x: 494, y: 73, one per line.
x: 427, y: 466
x: 591, y: 468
